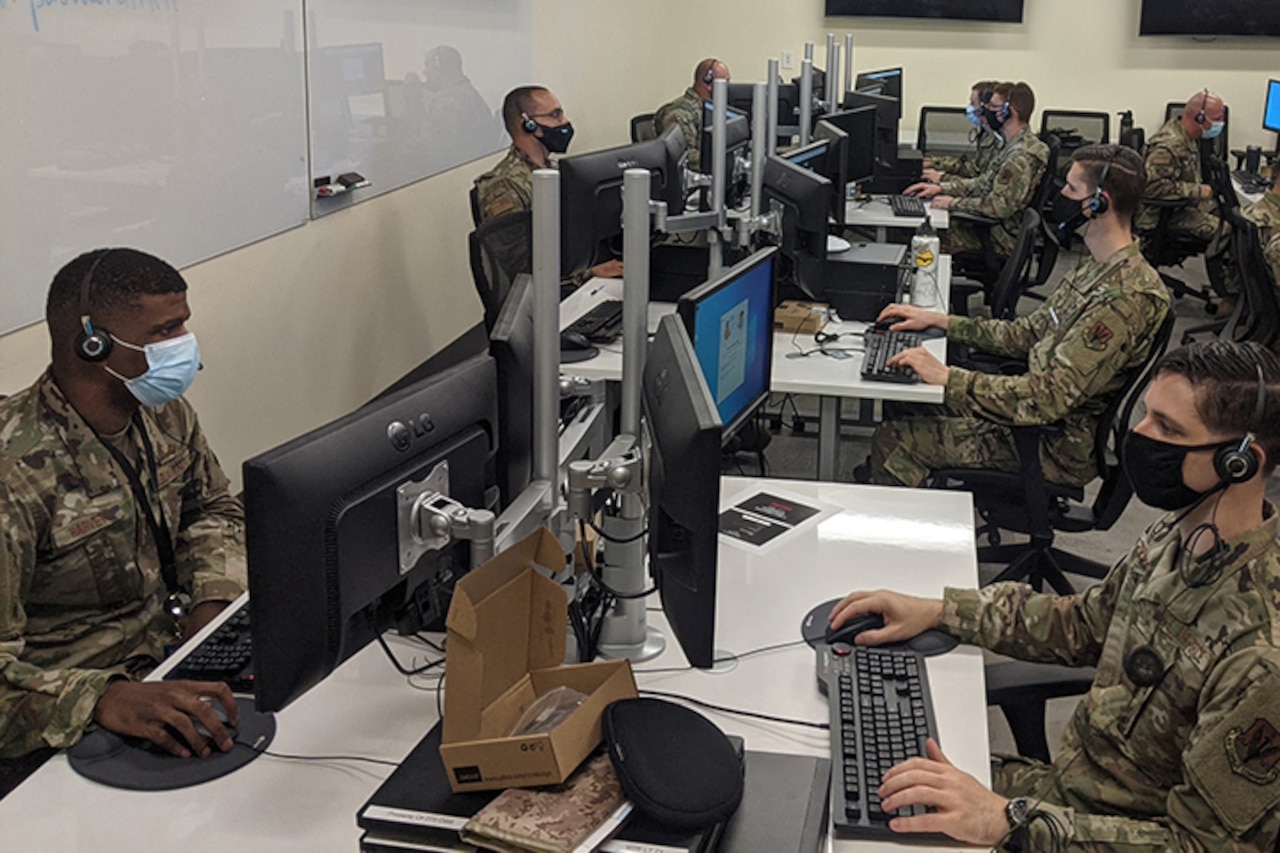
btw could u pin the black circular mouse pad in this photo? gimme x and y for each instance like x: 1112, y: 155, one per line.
x: 139, y: 765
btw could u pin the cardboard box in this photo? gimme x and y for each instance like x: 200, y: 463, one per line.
x: 506, y: 643
x: 796, y: 317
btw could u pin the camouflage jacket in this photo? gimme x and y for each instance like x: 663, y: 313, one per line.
x: 508, y: 188
x: 81, y: 592
x: 986, y: 148
x: 1265, y: 213
x: 685, y: 111
x: 1081, y: 345
x: 1005, y: 189
x: 1192, y: 763
x: 1173, y: 171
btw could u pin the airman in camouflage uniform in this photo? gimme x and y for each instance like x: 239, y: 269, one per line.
x: 686, y: 110
x: 1176, y: 745
x: 507, y: 187
x: 1002, y: 192
x: 81, y: 586
x: 1173, y: 170
x: 1081, y: 346
x: 1187, y: 764
x: 1265, y: 213
x: 987, y: 148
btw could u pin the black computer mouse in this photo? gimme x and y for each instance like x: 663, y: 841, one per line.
x: 885, y: 324
x: 855, y: 626
x: 574, y: 341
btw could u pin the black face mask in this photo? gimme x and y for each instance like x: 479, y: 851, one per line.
x: 1069, y: 217
x: 557, y: 138
x: 1155, y: 470
x: 996, y: 117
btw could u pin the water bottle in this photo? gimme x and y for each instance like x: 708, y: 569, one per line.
x: 925, y: 247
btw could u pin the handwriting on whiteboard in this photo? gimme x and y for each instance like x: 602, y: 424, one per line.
x: 40, y: 7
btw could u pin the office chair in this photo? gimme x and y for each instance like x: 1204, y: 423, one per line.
x: 642, y: 129
x: 1173, y: 110
x: 985, y: 265
x: 1164, y: 247
x: 1012, y: 282
x: 944, y: 130
x: 1020, y: 690
x: 1023, y: 502
x: 474, y: 197
x: 1218, y: 177
x: 500, y: 250
x: 1258, y: 317
x: 1074, y: 129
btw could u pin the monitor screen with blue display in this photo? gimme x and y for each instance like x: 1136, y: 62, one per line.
x: 730, y: 320
x: 1271, y: 110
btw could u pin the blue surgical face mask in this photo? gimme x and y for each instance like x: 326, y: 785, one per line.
x: 974, y: 116
x: 1214, y: 129
x: 171, y: 368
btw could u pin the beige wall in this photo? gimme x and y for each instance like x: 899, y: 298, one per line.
x: 302, y: 327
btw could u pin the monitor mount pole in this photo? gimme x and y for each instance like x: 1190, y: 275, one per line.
x: 806, y: 94
x: 833, y: 74
x: 625, y: 632
x: 775, y: 121
x: 848, y: 63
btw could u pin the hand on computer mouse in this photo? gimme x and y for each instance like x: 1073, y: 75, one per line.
x: 909, y: 318
x: 903, y: 616
x: 155, y: 710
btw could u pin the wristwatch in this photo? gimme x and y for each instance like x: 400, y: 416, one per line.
x: 1016, y: 812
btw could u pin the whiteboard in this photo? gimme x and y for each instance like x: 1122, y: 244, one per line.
x: 400, y: 90
x: 174, y: 126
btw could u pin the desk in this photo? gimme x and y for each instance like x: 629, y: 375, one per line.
x: 829, y: 379
x: 1245, y: 198
x: 366, y: 709
x: 876, y: 213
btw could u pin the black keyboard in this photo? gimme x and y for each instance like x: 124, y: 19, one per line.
x: 602, y: 324
x: 225, y: 655
x: 907, y: 205
x: 1249, y: 182
x: 881, y: 715
x: 879, y: 347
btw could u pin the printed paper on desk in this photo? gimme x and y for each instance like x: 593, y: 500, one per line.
x: 761, y: 520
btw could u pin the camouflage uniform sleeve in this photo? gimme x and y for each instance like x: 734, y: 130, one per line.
x: 1271, y: 253
x: 1098, y: 344
x: 1009, y: 338
x: 499, y: 196
x: 1230, y: 797
x: 978, y: 185
x: 1013, y: 619
x: 1164, y: 176
x: 38, y: 707
x: 689, y: 122
x: 1011, y: 190
x: 210, y: 538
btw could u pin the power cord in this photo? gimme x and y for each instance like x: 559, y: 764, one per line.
x: 400, y: 668
x: 289, y: 757
x: 737, y: 711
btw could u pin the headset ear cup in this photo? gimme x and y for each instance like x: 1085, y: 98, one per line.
x: 93, y: 346
x: 1099, y: 203
x: 1236, y: 465
x: 528, y: 125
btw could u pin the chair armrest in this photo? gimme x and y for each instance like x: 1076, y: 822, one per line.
x: 1170, y: 203
x: 975, y: 218
x: 1020, y: 689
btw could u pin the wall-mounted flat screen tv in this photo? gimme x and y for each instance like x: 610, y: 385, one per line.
x: 1213, y: 18
x: 961, y: 10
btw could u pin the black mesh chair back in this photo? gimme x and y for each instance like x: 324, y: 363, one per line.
x: 1013, y: 275
x: 500, y: 250
x: 1260, y: 315
x: 1135, y: 138
x: 642, y: 129
x: 945, y: 130
x: 474, y: 198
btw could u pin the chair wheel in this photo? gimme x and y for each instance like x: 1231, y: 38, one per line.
x: 993, y: 538
x: 1210, y: 308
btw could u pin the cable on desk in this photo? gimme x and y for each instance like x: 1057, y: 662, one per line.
x: 400, y: 668
x: 430, y: 642
x: 289, y: 757
x: 726, y: 659
x: 738, y: 711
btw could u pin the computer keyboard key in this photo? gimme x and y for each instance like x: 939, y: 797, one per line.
x: 879, y: 347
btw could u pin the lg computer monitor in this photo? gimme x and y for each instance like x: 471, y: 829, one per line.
x: 888, y: 81
x: 730, y: 320
x: 887, y: 114
x: 683, y: 471
x: 1271, y: 107
x: 802, y: 199
x: 737, y: 133
x: 327, y: 573
x: 591, y: 194
x: 835, y: 165
x: 859, y: 126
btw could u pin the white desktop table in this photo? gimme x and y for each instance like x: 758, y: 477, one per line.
x: 831, y: 380
x: 915, y: 541
x: 875, y: 212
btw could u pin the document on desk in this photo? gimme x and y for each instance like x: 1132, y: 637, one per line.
x: 765, y: 518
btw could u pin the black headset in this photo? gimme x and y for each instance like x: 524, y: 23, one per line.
x: 1098, y: 202
x: 91, y: 344
x: 1201, y: 117
x: 710, y: 75
x: 528, y: 125
x: 1240, y: 464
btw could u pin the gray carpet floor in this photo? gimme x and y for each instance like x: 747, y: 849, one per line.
x: 793, y: 454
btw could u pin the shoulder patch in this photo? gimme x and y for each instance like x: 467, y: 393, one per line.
x: 1254, y: 752
x: 1098, y: 337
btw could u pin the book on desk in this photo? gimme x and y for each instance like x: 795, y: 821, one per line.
x: 784, y: 808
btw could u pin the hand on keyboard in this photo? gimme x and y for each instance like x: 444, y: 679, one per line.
x: 924, y: 363
x: 964, y: 808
